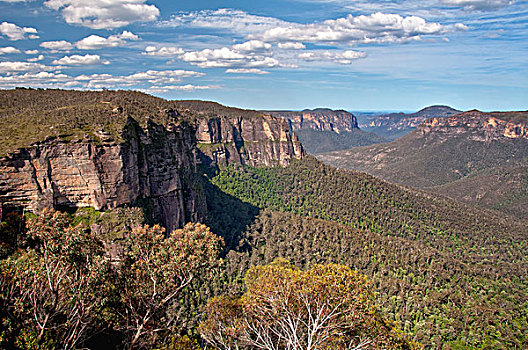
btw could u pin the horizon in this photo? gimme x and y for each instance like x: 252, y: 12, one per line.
x: 279, y: 55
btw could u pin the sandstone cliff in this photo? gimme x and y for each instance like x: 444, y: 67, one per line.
x: 320, y: 119
x: 111, y: 149
x: 154, y: 167
x: 257, y: 141
x: 478, y: 126
x: 395, y: 125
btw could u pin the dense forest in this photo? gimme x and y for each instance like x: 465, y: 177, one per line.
x: 414, y: 269
x: 448, y: 273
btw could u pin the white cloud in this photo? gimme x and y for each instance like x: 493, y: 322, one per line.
x: 60, y: 45
x: 31, y: 52
x: 11, y: 67
x: 78, y: 60
x: 291, y: 46
x: 104, y: 14
x: 345, y: 57
x: 374, y: 28
x: 226, y: 19
x: 250, y: 54
x: 461, y: 26
x: 478, y: 5
x: 36, y: 59
x: 94, y: 42
x: 188, y: 87
x: 162, y: 51
x: 36, y: 77
x: 8, y: 49
x: 14, y: 32
x: 252, y: 46
x: 227, y: 57
x: 246, y: 71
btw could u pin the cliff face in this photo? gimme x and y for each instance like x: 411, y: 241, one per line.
x: 477, y: 125
x: 155, y: 167
x: 127, y: 149
x: 256, y: 141
x: 320, y: 119
x: 400, y: 121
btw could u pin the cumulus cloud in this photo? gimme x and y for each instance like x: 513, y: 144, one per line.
x: 104, y: 14
x: 29, y: 75
x: 59, y: 45
x: 78, y: 60
x: 461, y: 26
x: 11, y: 67
x: 228, y: 57
x: 374, y: 28
x: 252, y: 46
x: 162, y: 51
x: 94, y: 42
x: 36, y: 59
x: 478, y: 5
x: 226, y: 19
x: 8, y: 49
x: 31, y: 52
x: 250, y: 54
x: 14, y: 32
x: 246, y: 71
x: 291, y: 46
x: 187, y: 87
x: 345, y: 57
x: 152, y: 77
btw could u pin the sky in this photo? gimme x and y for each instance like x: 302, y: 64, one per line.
x: 276, y: 54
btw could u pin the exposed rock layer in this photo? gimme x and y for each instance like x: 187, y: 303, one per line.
x: 320, y: 119
x: 478, y: 125
x: 155, y: 167
x: 258, y: 141
x: 151, y: 165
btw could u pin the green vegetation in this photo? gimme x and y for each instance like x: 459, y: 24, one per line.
x: 448, y: 273
x: 63, y: 289
x: 29, y: 115
x: 501, y: 188
x: 462, y: 164
x: 326, y: 307
x: 315, y: 142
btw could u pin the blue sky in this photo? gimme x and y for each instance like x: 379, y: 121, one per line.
x: 350, y: 54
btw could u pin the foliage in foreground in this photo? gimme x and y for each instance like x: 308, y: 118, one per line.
x: 326, y: 307
x: 64, y: 288
x: 449, y: 274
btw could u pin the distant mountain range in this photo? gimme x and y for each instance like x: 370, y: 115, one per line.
x: 324, y: 130
x: 476, y: 157
x: 395, y: 125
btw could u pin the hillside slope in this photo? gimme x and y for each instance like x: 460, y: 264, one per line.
x: 324, y: 130
x: 442, y: 151
x: 71, y: 149
x: 395, y: 125
x: 450, y: 274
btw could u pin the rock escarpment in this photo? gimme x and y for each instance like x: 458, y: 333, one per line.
x: 395, y: 125
x: 155, y: 167
x: 257, y: 141
x: 320, y: 119
x: 479, y: 126
x: 126, y: 149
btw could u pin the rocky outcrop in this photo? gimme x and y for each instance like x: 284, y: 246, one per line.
x: 150, y: 162
x: 321, y: 119
x: 155, y: 167
x: 478, y: 126
x: 401, y: 121
x: 255, y: 141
